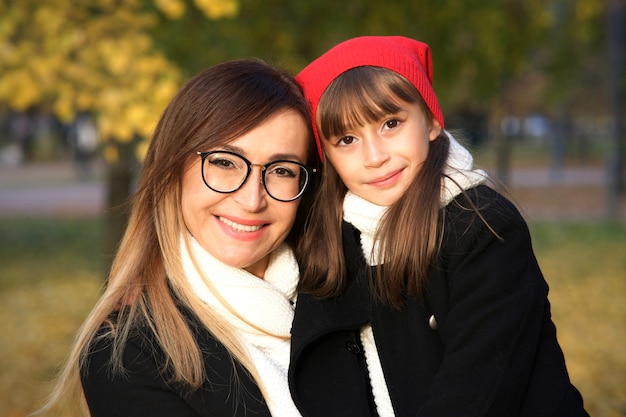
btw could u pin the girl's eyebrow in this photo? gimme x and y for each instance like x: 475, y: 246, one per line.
x: 400, y: 108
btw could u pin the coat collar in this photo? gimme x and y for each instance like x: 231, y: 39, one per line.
x: 315, y: 317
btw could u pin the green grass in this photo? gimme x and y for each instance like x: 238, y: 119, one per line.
x: 585, y: 266
x: 52, y: 273
x: 49, y: 249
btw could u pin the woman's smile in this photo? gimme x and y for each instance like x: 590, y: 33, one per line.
x: 240, y: 227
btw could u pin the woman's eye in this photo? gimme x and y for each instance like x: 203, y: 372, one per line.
x: 222, y: 163
x: 282, y: 171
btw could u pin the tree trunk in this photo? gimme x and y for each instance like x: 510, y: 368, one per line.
x: 119, y: 180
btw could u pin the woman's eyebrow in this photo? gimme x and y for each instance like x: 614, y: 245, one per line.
x: 273, y: 157
x: 290, y: 156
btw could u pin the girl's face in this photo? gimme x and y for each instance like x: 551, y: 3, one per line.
x: 242, y: 228
x: 379, y: 160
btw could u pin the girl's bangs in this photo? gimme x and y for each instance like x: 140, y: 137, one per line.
x: 362, y: 95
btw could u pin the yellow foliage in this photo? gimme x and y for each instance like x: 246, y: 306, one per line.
x: 123, y: 131
x: 47, y: 19
x: 216, y: 9
x: 174, y: 9
x: 21, y: 87
x: 142, y: 150
x: 137, y: 117
x: 164, y: 90
x: 589, y: 9
x: 85, y: 100
x: 115, y: 56
x: 9, y: 54
x: 111, y: 155
x: 61, y: 54
x: 64, y: 109
x: 63, y: 101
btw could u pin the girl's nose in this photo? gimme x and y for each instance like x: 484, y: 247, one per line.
x: 375, y: 152
x: 252, y: 195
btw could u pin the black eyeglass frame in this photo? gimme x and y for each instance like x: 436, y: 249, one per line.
x: 309, y: 173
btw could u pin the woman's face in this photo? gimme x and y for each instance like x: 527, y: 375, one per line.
x: 242, y: 228
x: 379, y: 160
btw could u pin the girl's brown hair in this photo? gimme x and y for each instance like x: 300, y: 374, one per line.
x: 360, y: 95
x: 146, y: 285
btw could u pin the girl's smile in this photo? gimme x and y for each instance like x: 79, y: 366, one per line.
x: 386, y: 180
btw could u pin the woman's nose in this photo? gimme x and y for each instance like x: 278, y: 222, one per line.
x: 252, y: 195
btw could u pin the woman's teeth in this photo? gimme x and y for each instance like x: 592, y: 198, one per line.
x: 239, y: 227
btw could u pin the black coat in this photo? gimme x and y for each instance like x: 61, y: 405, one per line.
x: 492, y: 353
x: 143, y: 390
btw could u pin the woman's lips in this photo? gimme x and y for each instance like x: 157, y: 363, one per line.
x: 239, y: 227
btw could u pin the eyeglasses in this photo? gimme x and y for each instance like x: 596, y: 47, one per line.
x: 226, y: 172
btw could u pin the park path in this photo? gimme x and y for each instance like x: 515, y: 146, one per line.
x: 51, y: 189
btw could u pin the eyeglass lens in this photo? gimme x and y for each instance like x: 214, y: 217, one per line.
x: 226, y: 172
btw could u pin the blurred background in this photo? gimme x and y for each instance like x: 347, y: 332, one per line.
x: 534, y: 87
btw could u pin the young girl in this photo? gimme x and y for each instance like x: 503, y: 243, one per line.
x: 420, y: 294
x: 195, y: 317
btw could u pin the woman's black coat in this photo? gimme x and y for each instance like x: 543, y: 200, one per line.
x: 143, y: 390
x: 493, y: 351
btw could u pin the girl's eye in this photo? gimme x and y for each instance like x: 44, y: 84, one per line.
x: 346, y: 140
x: 393, y: 123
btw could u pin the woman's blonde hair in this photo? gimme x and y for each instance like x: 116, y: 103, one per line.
x: 146, y: 285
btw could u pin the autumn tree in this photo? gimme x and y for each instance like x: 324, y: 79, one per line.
x: 95, y: 56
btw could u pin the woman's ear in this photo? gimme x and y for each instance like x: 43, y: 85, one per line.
x: 435, y: 129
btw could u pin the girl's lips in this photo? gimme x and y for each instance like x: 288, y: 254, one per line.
x: 386, y: 180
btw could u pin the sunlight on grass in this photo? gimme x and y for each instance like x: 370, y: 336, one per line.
x: 51, y: 275
x: 585, y: 266
x: 37, y: 324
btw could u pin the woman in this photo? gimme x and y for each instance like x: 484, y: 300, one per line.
x: 426, y: 298
x: 195, y: 317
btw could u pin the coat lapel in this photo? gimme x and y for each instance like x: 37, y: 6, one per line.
x: 318, y: 316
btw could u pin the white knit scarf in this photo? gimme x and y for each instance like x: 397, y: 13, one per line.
x: 265, y: 304
x: 366, y: 217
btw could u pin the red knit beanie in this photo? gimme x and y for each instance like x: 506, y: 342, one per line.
x: 407, y: 57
